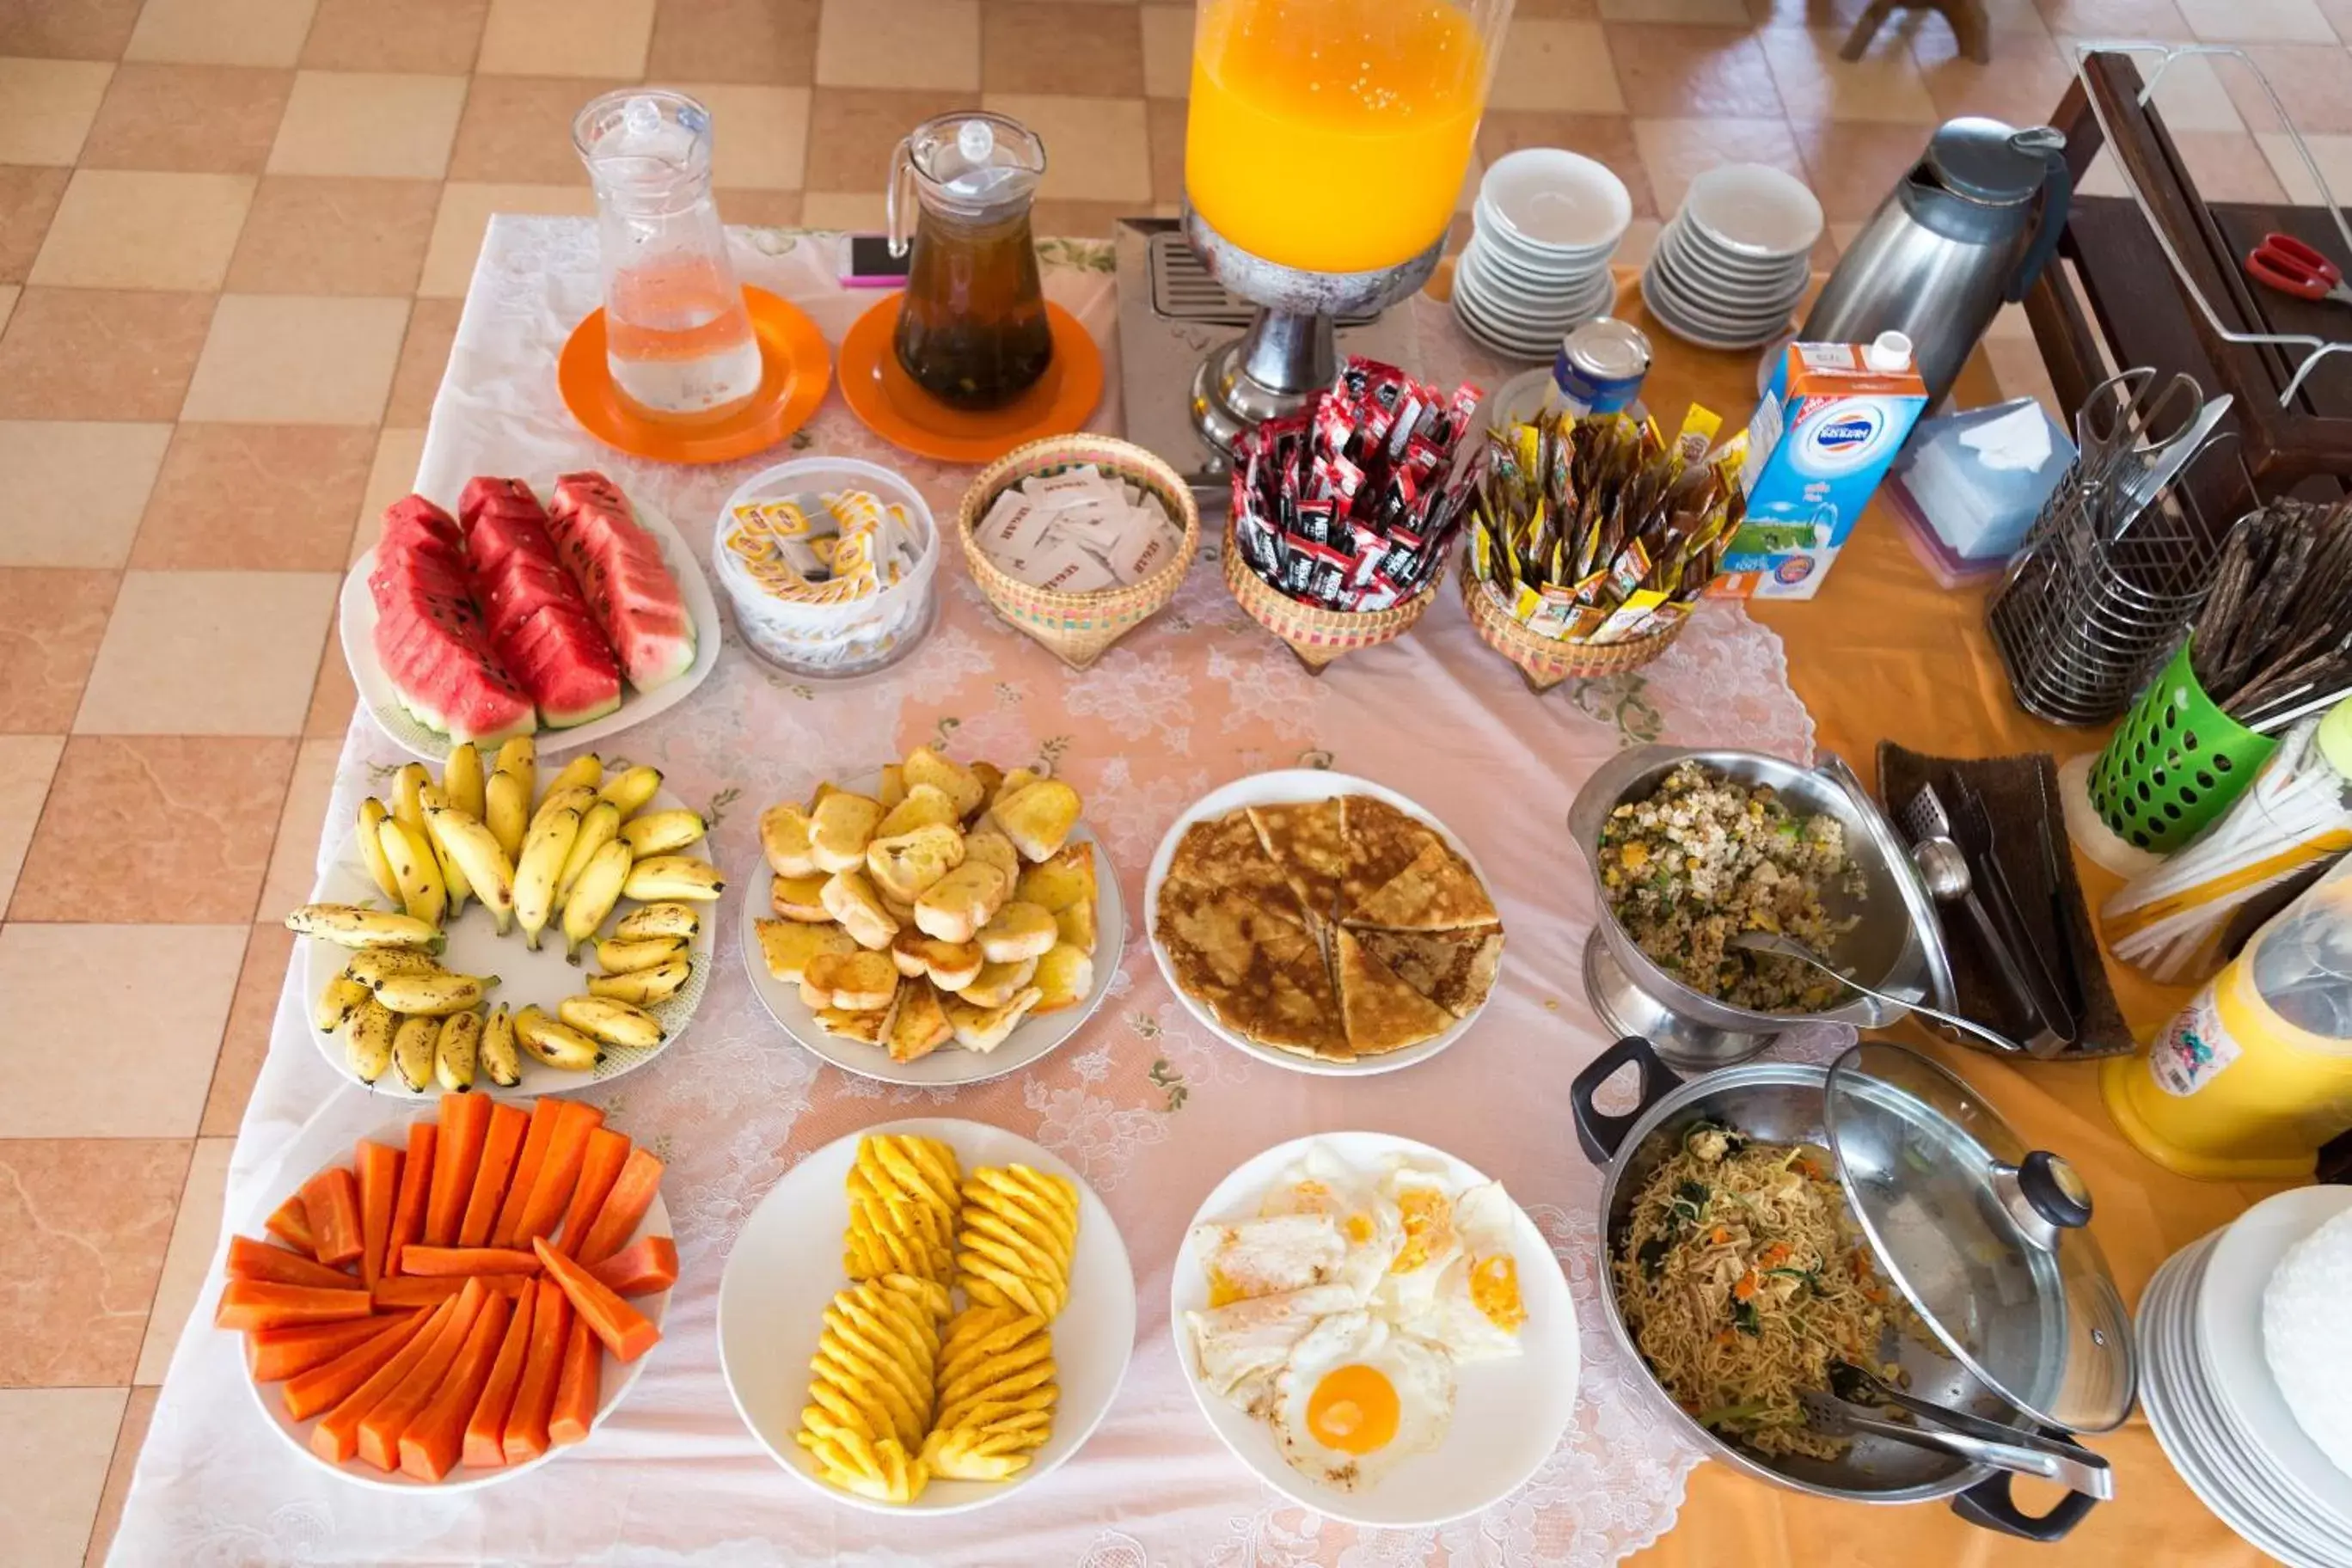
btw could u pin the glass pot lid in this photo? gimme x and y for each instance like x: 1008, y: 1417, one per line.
x: 1985, y: 1237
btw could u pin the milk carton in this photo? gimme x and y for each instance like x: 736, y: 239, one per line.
x: 1831, y: 422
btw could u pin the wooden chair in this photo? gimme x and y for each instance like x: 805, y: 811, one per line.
x: 1969, y: 25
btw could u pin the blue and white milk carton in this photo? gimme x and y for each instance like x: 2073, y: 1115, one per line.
x: 1831, y: 422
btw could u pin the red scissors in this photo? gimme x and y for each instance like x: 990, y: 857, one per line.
x: 2284, y: 263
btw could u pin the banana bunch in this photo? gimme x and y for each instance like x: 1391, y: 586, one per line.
x: 399, y: 1011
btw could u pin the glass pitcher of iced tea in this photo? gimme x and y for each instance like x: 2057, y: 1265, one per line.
x: 973, y: 331
x: 677, y: 338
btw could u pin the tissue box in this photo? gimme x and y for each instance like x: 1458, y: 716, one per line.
x: 1969, y: 485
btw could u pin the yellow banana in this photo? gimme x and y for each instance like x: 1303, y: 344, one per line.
x: 619, y: 956
x: 656, y: 921
x: 456, y: 1048
x: 461, y: 778
x: 674, y: 877
x: 372, y: 966
x: 412, y: 1051
x: 371, y: 815
x: 630, y: 790
x: 614, y: 1021
x: 505, y: 805
x: 367, y: 1040
x: 348, y: 925
x: 557, y: 1045
x: 519, y: 757
x: 336, y: 1001
x: 599, y: 825
x: 407, y: 795
x: 496, y: 1052
x: 434, y: 996
x: 453, y: 876
x: 421, y: 888
x: 663, y: 832
x: 586, y: 770
x: 464, y: 842
x: 593, y: 896
x: 570, y: 798
x: 542, y: 857
x: 645, y: 987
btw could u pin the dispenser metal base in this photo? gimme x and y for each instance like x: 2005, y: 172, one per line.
x: 1626, y: 1009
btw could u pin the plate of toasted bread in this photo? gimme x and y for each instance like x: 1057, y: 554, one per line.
x: 1322, y: 922
x: 933, y: 921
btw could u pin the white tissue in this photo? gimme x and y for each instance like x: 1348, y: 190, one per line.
x: 2017, y: 442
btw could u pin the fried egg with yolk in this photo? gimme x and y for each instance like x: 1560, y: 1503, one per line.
x: 1357, y: 1398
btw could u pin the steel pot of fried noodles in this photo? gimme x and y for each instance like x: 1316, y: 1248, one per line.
x: 2011, y: 1318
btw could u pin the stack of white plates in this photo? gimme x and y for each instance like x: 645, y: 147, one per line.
x: 2213, y: 1401
x: 1545, y: 226
x: 1733, y: 263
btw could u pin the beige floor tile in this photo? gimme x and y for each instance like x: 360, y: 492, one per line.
x: 1692, y: 72
x: 1815, y: 84
x: 2332, y: 153
x: 1852, y: 164
x: 2230, y: 166
x: 518, y: 130
x: 2315, y: 84
x: 424, y: 355
x: 255, y: 497
x: 208, y: 653
x: 74, y: 490
x: 221, y: 32
x: 196, y: 1234
x: 1674, y: 152
x: 2258, y: 21
x: 245, y: 1041
x: 1097, y: 149
x: 851, y: 212
x: 465, y: 213
x: 1712, y: 13
x: 192, y: 118
x: 854, y: 130
x: 223, y: 795
x: 89, y: 1219
x: 294, y: 853
x: 760, y: 134
x: 438, y: 38
x: 567, y: 37
x: 899, y: 44
x: 2193, y: 94
x: 51, y: 106
x: 29, y: 199
x: 1559, y: 65
x: 1166, y: 51
x: 334, y: 698
x: 2158, y: 19
x: 51, y: 623
x: 768, y: 41
x: 143, y: 1004
x: 136, y: 1414
x: 86, y: 30
x: 334, y: 234
x: 120, y: 228
x: 2021, y: 85
x: 27, y: 764
x: 1058, y: 45
x: 391, y: 475
x: 1606, y: 138
x: 760, y: 209
x: 298, y: 359
x: 1079, y: 220
x: 9, y: 292
x: 100, y: 353
x: 55, y: 1444
x: 1164, y: 122
x: 366, y: 123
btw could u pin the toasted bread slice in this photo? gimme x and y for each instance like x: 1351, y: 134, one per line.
x: 983, y: 1029
x: 1012, y: 784
x: 785, y: 840
x: 1076, y: 925
x: 1060, y: 880
x: 924, y: 765
x: 849, y: 897
x: 841, y: 827
x: 893, y: 787
x: 1037, y: 819
x: 996, y: 984
x: 1016, y: 931
x: 906, y: 864
x: 859, y: 982
x: 949, y: 965
x: 869, y: 1027
x: 799, y: 897
x: 788, y: 946
x: 1437, y: 892
x: 954, y: 907
x: 990, y: 777
x: 920, y: 1025
x: 1382, y: 1013
x: 987, y: 842
x: 1065, y: 976
x: 924, y: 806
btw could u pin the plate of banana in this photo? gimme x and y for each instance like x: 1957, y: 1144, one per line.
x: 510, y: 930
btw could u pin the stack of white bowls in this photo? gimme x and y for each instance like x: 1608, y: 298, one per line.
x: 1733, y: 262
x: 2213, y: 1396
x: 1545, y: 226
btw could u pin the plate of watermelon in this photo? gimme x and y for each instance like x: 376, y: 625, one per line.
x: 570, y: 620
x: 456, y: 1298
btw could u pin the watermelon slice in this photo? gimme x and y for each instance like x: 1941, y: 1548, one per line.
x: 430, y: 638
x: 628, y: 588
x: 562, y: 659
x: 532, y: 609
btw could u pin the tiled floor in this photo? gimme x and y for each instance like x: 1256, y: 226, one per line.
x: 233, y: 237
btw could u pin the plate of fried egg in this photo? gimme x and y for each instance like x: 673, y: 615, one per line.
x: 1376, y: 1329
x: 926, y: 1317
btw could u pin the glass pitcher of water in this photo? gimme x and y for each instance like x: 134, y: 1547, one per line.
x: 676, y: 334
x: 973, y: 331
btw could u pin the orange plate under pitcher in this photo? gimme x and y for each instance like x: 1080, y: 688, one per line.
x: 887, y: 402
x: 794, y: 370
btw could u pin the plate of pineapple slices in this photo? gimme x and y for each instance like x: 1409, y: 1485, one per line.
x: 928, y: 1317
x: 509, y: 927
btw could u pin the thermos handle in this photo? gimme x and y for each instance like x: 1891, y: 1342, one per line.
x: 2057, y: 194
x: 899, y: 198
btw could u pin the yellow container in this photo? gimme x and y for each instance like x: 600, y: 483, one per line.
x: 2256, y: 1072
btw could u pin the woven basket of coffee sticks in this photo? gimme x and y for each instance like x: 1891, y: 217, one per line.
x: 1316, y: 635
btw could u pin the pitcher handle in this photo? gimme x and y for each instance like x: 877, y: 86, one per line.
x: 897, y: 198
x: 2057, y: 194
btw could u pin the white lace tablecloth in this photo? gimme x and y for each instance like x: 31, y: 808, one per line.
x: 1153, y: 1109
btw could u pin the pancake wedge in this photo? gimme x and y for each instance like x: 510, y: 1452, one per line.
x: 1454, y: 969
x: 1437, y: 892
x: 1305, y: 841
x: 1383, y: 1014
x: 1381, y: 841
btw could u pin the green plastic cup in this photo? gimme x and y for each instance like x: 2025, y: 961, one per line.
x: 2176, y: 762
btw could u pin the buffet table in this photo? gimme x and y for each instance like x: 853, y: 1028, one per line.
x: 1151, y: 1109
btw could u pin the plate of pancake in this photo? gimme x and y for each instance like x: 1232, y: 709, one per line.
x: 1322, y: 922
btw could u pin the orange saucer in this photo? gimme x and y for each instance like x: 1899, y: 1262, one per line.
x: 889, y: 403
x: 794, y: 370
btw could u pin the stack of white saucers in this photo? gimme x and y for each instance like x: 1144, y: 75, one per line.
x: 2214, y: 1398
x: 1545, y: 226
x: 1733, y: 263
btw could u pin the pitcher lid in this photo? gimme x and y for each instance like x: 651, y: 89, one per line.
x: 975, y: 160
x: 1986, y: 160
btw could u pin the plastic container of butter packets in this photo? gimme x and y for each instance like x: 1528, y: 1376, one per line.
x: 830, y: 564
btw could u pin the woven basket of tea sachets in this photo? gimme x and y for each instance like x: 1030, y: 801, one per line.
x: 1544, y: 662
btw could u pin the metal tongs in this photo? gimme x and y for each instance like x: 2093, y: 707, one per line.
x: 1850, y: 1412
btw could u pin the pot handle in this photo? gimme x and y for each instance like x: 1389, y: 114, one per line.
x: 1600, y: 1133
x: 1990, y: 1505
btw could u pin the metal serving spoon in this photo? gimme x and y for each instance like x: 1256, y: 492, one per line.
x: 1790, y: 947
